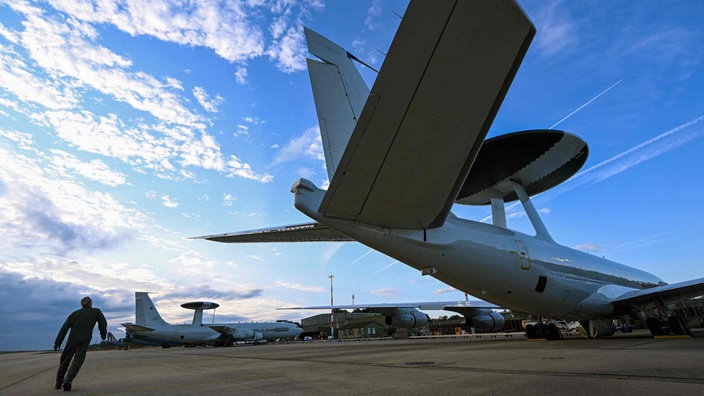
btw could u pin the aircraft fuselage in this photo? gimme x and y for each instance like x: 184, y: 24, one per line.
x: 178, y: 335
x: 499, y: 265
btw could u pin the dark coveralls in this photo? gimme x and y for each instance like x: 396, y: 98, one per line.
x: 81, y: 323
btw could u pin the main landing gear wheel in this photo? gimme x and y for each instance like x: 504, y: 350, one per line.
x: 553, y: 332
x: 531, y: 332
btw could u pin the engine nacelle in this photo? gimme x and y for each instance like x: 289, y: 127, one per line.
x: 486, y: 320
x: 407, y: 319
x: 245, y: 335
x: 601, y: 328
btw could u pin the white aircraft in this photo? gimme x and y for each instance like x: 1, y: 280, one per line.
x: 478, y: 314
x: 399, y: 156
x: 151, y: 328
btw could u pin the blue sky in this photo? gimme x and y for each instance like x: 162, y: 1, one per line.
x: 128, y: 127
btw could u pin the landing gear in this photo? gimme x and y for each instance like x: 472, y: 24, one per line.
x: 678, y: 325
x: 675, y: 325
x: 541, y: 330
x: 532, y: 332
x: 553, y: 332
x: 656, y: 327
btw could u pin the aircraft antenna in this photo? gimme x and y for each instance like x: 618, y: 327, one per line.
x: 354, y: 58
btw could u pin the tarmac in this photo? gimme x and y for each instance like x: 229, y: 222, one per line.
x: 627, y: 364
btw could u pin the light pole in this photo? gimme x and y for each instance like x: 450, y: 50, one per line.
x: 332, y: 310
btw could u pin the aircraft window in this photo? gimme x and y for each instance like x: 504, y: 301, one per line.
x: 542, y: 280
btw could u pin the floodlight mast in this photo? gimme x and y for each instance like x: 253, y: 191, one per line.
x: 332, y: 310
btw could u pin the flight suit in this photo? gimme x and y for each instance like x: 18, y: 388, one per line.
x: 81, y: 323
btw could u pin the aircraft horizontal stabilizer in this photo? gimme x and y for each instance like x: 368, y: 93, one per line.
x: 672, y: 292
x: 135, y: 327
x: 308, y: 232
x: 428, y: 113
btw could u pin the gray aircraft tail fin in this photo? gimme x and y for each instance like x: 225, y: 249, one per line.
x: 339, y: 93
x: 145, y: 311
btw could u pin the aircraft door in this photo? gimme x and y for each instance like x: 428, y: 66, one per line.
x: 523, y: 254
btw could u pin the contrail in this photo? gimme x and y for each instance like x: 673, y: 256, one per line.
x: 586, y: 104
x: 667, y: 141
x: 363, y: 256
x: 642, y: 152
x: 391, y: 264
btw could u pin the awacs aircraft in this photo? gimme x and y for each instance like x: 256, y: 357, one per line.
x: 399, y: 156
x: 151, y: 328
x: 478, y: 314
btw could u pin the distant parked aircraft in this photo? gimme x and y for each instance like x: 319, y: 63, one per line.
x: 478, y: 314
x: 150, y: 328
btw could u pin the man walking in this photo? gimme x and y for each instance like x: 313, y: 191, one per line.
x: 81, y: 323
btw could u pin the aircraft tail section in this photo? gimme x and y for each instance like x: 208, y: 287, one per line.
x: 145, y: 311
x: 339, y: 93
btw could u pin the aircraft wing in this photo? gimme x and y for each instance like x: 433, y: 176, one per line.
x: 668, y: 293
x: 138, y: 328
x: 429, y: 306
x: 432, y: 104
x: 222, y: 329
x: 308, y: 232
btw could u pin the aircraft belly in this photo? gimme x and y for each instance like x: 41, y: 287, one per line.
x: 492, y: 263
x: 483, y: 264
x: 476, y: 264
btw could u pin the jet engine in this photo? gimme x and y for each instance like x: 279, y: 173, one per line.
x: 601, y: 328
x: 244, y: 335
x: 407, y: 319
x: 486, y: 320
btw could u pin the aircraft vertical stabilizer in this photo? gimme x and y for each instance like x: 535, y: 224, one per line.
x: 339, y: 93
x: 146, y: 313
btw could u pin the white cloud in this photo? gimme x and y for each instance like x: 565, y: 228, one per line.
x: 67, y: 51
x: 236, y: 168
x: 204, y: 99
x: 21, y: 139
x: 289, y: 52
x: 222, y: 26
x: 18, y: 78
x: 8, y: 35
x: 242, y: 130
x: 94, y: 170
x: 309, y: 144
x: 44, y: 210
x: 156, y: 147
x: 168, y: 202
x: 445, y: 291
x: 385, y: 292
x: 241, y: 75
x: 555, y: 29
x: 254, y: 120
x: 228, y: 200
x: 298, y: 286
x: 373, y: 13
